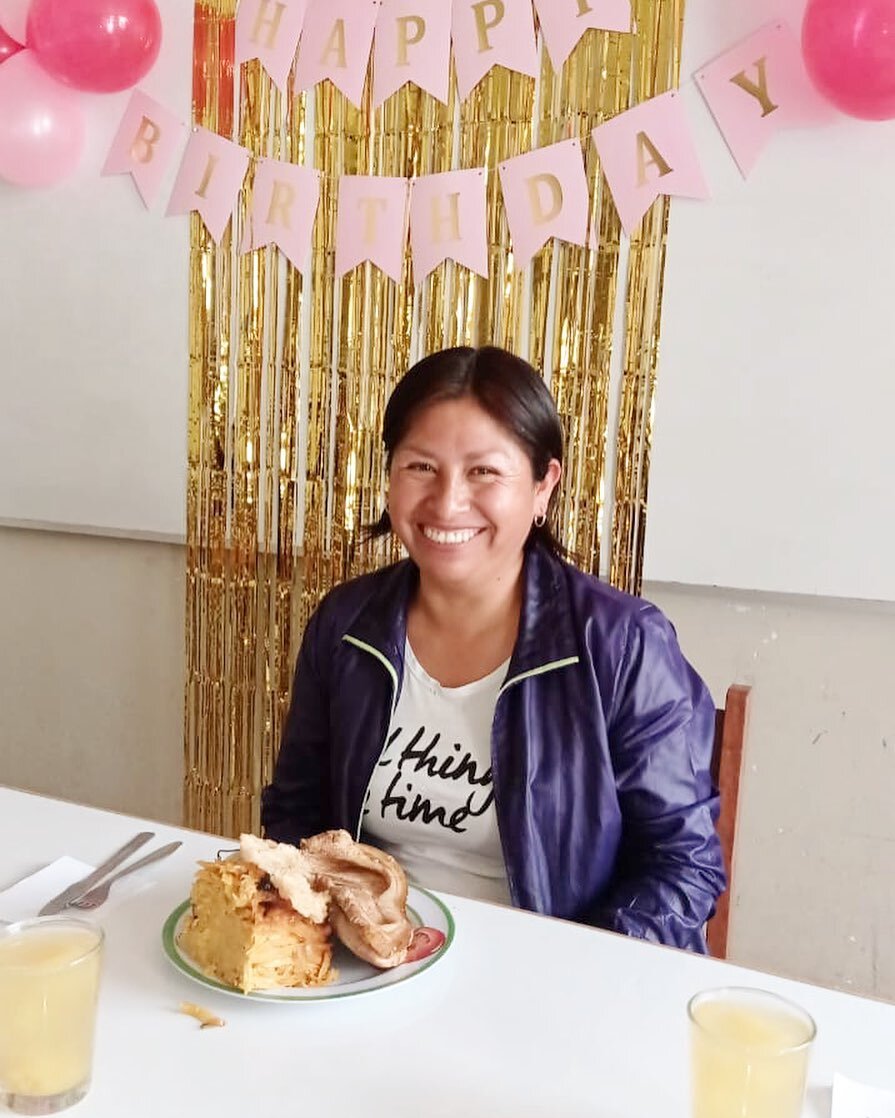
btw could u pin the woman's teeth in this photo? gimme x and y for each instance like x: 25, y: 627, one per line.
x: 464, y: 535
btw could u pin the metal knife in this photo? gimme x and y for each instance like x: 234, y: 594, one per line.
x: 58, y: 903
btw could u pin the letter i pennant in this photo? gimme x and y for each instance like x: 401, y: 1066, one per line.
x: 648, y: 151
x: 758, y: 87
x: 144, y: 145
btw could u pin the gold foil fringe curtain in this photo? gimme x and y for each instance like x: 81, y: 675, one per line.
x: 290, y: 371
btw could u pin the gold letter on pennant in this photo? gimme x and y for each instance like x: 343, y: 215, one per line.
x: 206, y: 178
x: 370, y: 207
x: 335, y: 44
x: 146, y: 138
x: 538, y: 215
x: 270, y: 22
x: 759, y: 91
x: 584, y: 7
x: 280, y: 200
x: 481, y: 24
x: 646, y: 146
x: 449, y: 222
x: 404, y: 39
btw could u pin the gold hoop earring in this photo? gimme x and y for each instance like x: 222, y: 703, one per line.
x: 540, y: 520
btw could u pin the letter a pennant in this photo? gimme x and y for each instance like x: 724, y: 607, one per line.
x: 648, y: 151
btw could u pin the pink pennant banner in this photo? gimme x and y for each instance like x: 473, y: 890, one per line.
x: 563, y: 22
x: 490, y: 33
x: 269, y: 30
x: 759, y: 87
x: 412, y: 44
x: 449, y: 218
x: 545, y: 195
x: 145, y: 144
x: 209, y: 179
x: 335, y: 43
x: 371, y: 223
x: 648, y: 151
x: 284, y: 205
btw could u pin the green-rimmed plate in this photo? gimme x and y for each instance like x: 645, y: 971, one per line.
x: 354, y: 975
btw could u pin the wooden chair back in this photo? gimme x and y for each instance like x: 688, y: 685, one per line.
x: 727, y: 759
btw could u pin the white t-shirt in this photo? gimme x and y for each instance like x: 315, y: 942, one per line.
x: 431, y: 799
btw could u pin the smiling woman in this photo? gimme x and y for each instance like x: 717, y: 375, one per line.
x: 505, y: 725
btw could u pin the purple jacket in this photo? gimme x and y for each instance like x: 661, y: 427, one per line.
x: 601, y: 745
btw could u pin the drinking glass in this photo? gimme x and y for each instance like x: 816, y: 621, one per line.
x: 749, y: 1053
x: 49, y: 981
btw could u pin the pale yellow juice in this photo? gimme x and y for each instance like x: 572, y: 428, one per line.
x: 49, y: 980
x: 750, y: 1055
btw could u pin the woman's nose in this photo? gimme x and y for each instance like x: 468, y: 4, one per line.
x: 451, y: 494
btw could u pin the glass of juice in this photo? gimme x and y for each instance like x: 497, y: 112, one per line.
x: 749, y: 1053
x: 49, y: 981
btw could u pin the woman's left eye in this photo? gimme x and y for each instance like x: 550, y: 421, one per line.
x: 483, y: 471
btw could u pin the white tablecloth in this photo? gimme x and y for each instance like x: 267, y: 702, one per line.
x: 523, y: 1015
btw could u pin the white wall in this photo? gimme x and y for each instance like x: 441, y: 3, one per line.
x: 773, y: 458
x: 93, y: 321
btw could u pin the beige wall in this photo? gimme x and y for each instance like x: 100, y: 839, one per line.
x: 91, y: 678
x: 91, y: 670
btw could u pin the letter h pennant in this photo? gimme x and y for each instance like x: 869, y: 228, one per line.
x: 545, y: 195
x: 269, y: 30
x: 449, y: 218
x: 648, y: 151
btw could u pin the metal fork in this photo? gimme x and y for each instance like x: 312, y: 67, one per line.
x: 96, y: 896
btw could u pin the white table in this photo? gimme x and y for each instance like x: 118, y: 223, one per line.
x: 522, y: 1016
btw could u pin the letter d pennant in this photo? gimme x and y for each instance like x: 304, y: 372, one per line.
x: 545, y: 194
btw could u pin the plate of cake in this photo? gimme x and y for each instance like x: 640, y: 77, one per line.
x: 330, y: 918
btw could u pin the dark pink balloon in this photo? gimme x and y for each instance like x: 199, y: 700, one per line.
x: 100, y: 46
x: 8, y: 46
x: 849, y: 51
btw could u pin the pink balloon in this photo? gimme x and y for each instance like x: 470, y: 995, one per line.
x: 101, y: 46
x: 8, y: 46
x: 41, y: 125
x: 849, y: 51
x: 13, y: 17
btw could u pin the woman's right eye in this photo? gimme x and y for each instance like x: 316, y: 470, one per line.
x: 421, y: 467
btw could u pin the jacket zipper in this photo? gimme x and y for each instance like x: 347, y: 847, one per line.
x: 393, y: 676
x: 552, y: 665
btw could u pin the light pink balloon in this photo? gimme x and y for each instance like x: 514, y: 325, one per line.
x: 101, y: 46
x: 13, y: 17
x: 41, y: 125
x: 8, y: 46
x: 849, y: 52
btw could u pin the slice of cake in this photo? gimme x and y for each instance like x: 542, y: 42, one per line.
x: 244, y: 933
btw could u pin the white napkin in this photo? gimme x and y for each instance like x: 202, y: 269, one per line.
x: 856, y: 1100
x: 28, y: 896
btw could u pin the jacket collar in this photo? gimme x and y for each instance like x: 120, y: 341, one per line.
x: 546, y: 631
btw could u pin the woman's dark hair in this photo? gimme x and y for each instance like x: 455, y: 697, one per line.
x: 504, y: 386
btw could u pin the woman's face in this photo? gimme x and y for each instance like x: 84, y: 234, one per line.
x: 462, y: 496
